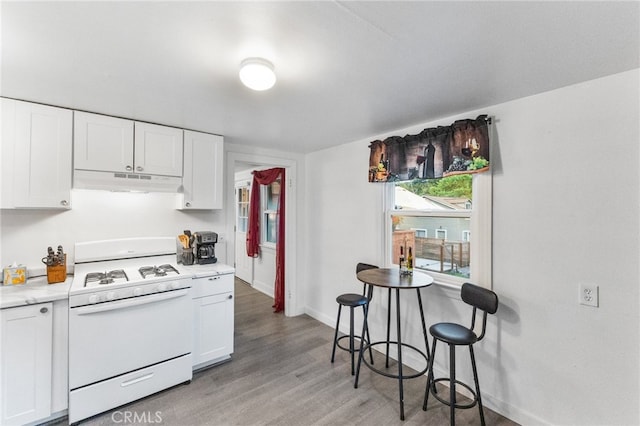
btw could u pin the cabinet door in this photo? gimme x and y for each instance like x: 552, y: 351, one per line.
x: 203, y: 171
x: 213, y: 328
x: 102, y: 143
x: 7, y: 145
x: 25, y: 361
x: 158, y: 150
x: 42, y: 156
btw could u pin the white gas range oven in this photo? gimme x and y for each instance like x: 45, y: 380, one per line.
x: 130, y: 323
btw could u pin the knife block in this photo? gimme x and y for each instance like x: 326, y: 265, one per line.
x: 57, y: 273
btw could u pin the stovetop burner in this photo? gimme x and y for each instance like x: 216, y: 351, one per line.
x: 105, y: 277
x: 157, y: 271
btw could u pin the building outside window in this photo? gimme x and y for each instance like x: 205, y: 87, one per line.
x: 435, y: 218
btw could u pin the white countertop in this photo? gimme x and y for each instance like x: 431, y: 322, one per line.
x: 35, y: 290
x: 206, y: 270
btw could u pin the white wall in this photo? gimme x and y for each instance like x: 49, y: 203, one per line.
x: 96, y: 215
x: 264, y: 272
x: 566, y: 211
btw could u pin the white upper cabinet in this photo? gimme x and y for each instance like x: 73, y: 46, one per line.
x: 37, y: 145
x: 102, y: 143
x: 158, y: 149
x: 7, y: 148
x: 110, y: 144
x: 203, y: 171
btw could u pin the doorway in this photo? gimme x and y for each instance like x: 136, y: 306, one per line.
x: 258, y: 272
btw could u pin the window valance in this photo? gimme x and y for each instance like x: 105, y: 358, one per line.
x: 436, y: 152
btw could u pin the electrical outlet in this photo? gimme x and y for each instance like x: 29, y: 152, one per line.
x: 589, y: 295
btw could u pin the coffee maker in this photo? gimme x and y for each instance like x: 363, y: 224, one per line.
x: 204, y: 243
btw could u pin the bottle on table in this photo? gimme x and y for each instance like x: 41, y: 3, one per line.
x: 402, y: 263
x: 410, y: 262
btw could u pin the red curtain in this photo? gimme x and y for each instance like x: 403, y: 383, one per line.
x: 266, y: 177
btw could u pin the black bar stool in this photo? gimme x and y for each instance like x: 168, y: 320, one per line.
x: 458, y: 335
x: 352, y: 300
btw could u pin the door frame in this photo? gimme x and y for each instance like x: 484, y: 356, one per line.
x: 291, y: 305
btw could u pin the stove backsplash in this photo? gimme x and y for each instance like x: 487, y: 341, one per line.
x: 98, y: 215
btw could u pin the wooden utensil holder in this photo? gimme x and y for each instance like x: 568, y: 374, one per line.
x: 57, y: 273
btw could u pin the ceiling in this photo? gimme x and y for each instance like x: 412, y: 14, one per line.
x: 346, y: 70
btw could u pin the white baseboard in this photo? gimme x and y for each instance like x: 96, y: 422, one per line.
x: 263, y: 287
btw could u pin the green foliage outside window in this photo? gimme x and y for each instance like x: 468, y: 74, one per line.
x: 451, y: 186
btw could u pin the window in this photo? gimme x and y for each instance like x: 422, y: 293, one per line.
x: 421, y: 233
x: 441, y: 233
x: 242, y: 207
x: 271, y: 197
x: 450, y: 209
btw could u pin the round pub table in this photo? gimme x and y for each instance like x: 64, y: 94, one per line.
x: 391, y: 279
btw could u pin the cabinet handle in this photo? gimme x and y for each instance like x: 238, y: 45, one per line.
x: 128, y: 168
x: 230, y: 296
x: 188, y: 204
x: 139, y: 168
x: 214, y: 278
x: 44, y: 310
x: 64, y: 203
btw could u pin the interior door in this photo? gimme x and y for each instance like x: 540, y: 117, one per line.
x: 244, y: 263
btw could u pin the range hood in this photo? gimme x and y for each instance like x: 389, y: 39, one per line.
x: 119, y: 181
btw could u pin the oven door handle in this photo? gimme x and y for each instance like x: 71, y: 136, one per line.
x: 128, y: 303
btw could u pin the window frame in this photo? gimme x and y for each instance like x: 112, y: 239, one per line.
x: 481, y: 245
x: 239, y: 188
x: 265, y: 212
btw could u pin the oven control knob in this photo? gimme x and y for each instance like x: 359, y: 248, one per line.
x: 162, y: 287
x: 137, y: 291
x: 94, y: 298
x: 111, y: 295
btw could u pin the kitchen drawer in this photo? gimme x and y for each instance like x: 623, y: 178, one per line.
x: 93, y: 399
x: 209, y: 286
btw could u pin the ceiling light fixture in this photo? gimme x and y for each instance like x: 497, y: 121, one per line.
x: 257, y: 74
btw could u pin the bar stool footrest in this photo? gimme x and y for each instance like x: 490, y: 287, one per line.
x: 394, y: 375
x: 471, y: 404
x: 356, y: 343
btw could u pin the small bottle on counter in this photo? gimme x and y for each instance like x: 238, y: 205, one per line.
x: 402, y: 262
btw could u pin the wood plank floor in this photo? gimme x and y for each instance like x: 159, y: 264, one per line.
x: 281, y: 374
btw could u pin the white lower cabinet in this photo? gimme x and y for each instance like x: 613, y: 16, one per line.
x: 25, y: 363
x: 212, y: 320
x: 33, y: 363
